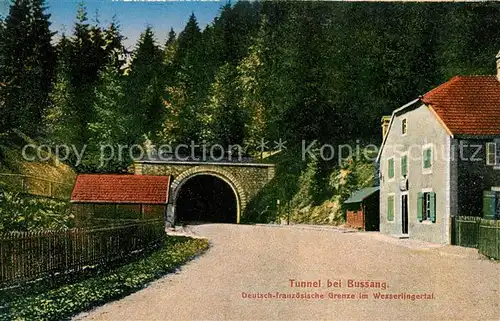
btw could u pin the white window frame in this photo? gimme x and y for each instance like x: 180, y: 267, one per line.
x: 405, y: 120
x: 391, y: 179
x: 403, y: 154
x: 425, y: 147
x: 427, y: 220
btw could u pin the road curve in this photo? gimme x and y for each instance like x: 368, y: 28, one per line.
x: 261, y: 260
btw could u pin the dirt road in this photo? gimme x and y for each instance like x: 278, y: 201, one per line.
x: 255, y: 261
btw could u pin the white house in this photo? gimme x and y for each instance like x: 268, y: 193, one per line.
x: 439, y: 155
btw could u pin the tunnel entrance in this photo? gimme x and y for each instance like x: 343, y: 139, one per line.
x: 206, y: 198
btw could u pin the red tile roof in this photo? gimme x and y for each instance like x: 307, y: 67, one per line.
x: 468, y: 105
x: 137, y: 189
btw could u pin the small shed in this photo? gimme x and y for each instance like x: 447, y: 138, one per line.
x: 119, y: 197
x: 362, y: 209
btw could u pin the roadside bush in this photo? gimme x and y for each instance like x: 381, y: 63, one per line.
x: 68, y: 300
x: 20, y: 212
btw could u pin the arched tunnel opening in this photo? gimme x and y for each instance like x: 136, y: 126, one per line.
x: 204, y: 199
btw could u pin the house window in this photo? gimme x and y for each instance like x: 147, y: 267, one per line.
x: 426, y: 207
x: 404, y: 165
x: 492, y: 157
x: 427, y: 159
x: 404, y: 126
x: 390, y: 167
x: 390, y: 208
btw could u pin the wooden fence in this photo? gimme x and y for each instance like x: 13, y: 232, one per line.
x: 489, y: 238
x: 26, y: 256
x: 36, y: 185
x: 467, y: 231
x: 471, y: 231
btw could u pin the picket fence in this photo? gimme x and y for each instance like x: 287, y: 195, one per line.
x: 26, y: 256
x: 36, y: 186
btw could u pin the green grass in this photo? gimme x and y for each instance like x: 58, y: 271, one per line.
x: 66, y: 301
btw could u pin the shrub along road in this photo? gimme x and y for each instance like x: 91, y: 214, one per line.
x: 402, y: 280
x: 59, y: 303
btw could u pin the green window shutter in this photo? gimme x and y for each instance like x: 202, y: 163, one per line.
x: 391, y: 168
x: 432, y: 196
x: 404, y: 165
x: 390, y: 208
x: 489, y: 204
x: 420, y: 206
x: 491, y: 154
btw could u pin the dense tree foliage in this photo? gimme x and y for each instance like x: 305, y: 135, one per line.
x: 260, y: 70
x: 27, y: 62
x: 146, y: 86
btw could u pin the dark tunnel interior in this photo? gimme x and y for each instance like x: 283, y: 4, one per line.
x: 206, y: 199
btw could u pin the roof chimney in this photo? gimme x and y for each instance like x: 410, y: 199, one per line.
x: 498, y: 66
x: 385, y: 125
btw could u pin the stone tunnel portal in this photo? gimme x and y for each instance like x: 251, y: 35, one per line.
x: 206, y: 198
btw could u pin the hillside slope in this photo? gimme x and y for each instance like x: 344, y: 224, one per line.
x: 309, y: 192
x: 30, y: 174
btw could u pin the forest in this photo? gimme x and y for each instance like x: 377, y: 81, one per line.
x: 325, y: 71
x: 302, y: 70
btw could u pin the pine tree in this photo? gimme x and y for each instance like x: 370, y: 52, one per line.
x: 188, y: 41
x: 112, y: 122
x: 223, y: 121
x: 27, y: 62
x: 188, y: 90
x: 251, y: 82
x: 308, y: 74
x: 58, y: 118
x: 63, y: 52
x: 279, y: 64
x: 82, y: 73
x: 171, y: 131
x: 92, y: 49
x: 236, y: 26
x: 114, y: 50
x: 81, y: 58
x: 189, y: 61
x: 174, y: 93
x: 172, y: 37
x: 146, y: 86
x: 170, y: 51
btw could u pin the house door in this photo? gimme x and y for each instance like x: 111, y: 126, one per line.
x: 404, y: 213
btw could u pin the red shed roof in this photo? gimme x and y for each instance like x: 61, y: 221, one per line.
x: 137, y: 189
x: 468, y: 105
